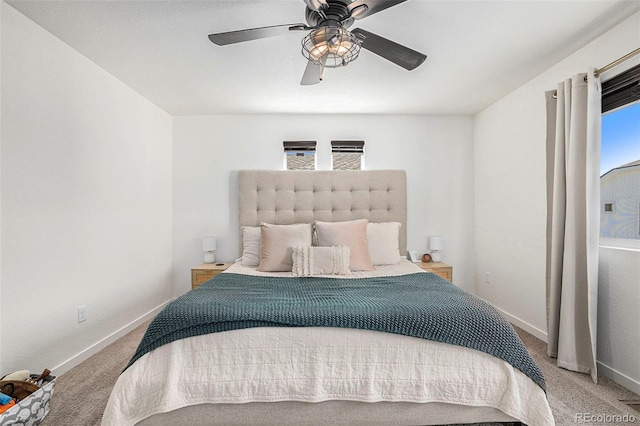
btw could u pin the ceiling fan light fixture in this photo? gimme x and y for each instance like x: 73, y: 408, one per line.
x: 330, y: 46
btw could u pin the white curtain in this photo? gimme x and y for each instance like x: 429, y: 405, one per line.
x: 573, y: 221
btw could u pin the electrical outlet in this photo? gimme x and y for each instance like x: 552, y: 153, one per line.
x: 487, y: 277
x: 82, y: 313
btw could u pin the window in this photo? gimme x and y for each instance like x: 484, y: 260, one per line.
x: 347, y: 155
x: 620, y: 157
x: 300, y: 155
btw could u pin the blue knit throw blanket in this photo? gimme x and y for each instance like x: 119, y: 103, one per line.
x: 419, y: 305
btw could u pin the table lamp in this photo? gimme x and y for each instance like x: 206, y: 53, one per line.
x: 208, y: 247
x: 436, y: 243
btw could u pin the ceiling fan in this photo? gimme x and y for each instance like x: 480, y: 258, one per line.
x: 329, y: 44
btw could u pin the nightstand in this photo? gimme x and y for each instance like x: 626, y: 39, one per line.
x: 442, y: 269
x: 206, y: 271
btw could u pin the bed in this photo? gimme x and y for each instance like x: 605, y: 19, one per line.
x: 330, y: 340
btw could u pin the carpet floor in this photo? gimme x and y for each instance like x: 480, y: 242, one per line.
x: 81, y: 394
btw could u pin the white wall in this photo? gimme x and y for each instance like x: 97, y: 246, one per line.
x: 510, y: 194
x: 436, y: 152
x: 86, y: 200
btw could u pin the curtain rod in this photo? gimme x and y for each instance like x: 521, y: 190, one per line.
x: 616, y: 62
x: 607, y: 67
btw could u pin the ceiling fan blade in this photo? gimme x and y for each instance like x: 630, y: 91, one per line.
x: 316, y: 4
x: 373, y: 6
x: 408, y: 59
x: 231, y: 37
x: 312, y: 74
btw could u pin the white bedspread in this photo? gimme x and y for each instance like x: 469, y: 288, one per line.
x: 319, y: 364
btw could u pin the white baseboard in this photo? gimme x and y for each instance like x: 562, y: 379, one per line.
x: 98, y: 346
x: 524, y: 325
x: 618, y: 377
x: 603, y: 369
x: 542, y: 335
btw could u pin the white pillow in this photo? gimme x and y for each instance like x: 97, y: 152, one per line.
x: 384, y: 242
x: 309, y: 261
x: 250, y: 246
x: 352, y: 234
x: 277, y: 243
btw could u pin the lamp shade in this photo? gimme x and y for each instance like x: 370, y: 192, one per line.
x: 436, y: 242
x: 208, y: 243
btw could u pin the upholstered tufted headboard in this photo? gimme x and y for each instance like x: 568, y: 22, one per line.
x: 286, y: 197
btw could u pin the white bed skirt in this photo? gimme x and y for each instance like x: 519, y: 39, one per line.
x: 344, y: 413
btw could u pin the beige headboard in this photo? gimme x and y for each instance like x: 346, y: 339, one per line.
x: 286, y: 197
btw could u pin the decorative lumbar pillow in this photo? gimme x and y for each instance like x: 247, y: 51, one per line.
x: 352, y: 234
x: 250, y: 246
x: 384, y: 242
x: 309, y: 261
x: 277, y: 243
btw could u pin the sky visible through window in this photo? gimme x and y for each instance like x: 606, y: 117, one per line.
x: 620, y: 137
x: 620, y: 187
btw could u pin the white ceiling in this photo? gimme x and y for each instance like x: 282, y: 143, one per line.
x: 478, y: 51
